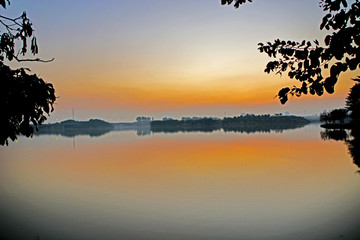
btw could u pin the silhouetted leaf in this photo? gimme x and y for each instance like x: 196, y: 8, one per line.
x: 329, y: 84
x: 2, y: 3
x: 284, y: 99
x: 283, y: 95
x: 327, y: 40
x: 353, y: 63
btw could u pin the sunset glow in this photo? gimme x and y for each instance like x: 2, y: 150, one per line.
x: 160, y: 57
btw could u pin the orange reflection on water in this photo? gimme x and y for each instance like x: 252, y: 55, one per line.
x: 230, y: 185
x: 161, y: 161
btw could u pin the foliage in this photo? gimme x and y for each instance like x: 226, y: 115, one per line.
x: 335, y: 115
x: 24, y: 98
x: 324, y: 117
x: 353, y: 101
x: 352, y: 107
x: 237, y: 3
x: 143, y: 119
x: 306, y: 61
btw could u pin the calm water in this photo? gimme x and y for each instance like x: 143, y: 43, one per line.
x: 289, y: 185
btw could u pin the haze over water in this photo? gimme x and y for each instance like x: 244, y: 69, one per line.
x: 219, y: 185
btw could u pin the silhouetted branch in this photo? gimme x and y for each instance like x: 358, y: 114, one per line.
x: 33, y: 60
x: 306, y: 62
x: 11, y: 19
x: 237, y: 3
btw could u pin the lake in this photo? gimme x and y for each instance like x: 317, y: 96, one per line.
x: 186, y: 185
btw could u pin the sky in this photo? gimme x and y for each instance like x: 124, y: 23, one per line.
x: 116, y: 60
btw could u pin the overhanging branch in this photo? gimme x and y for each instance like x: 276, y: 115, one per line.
x: 33, y: 60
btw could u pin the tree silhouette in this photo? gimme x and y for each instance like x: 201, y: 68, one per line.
x: 334, y: 115
x: 143, y: 119
x: 353, y: 101
x: 25, y: 99
x: 306, y: 61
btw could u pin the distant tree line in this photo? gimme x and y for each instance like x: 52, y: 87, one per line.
x: 248, y: 123
x: 143, y: 119
x: 71, y: 128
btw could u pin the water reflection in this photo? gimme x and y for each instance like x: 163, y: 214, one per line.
x: 144, y: 130
x: 248, y: 128
x: 350, y: 137
x: 264, y: 128
x: 71, y: 128
x: 334, y: 134
x: 217, y: 186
